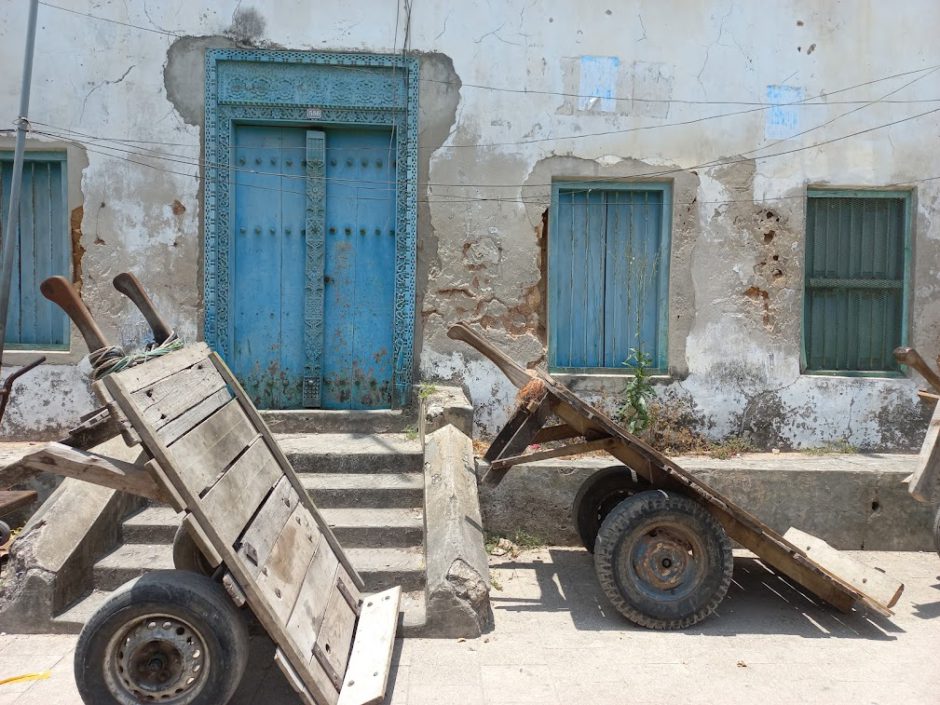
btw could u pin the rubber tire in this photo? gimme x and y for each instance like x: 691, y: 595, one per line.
x: 627, y: 597
x: 188, y: 556
x: 598, y: 495
x: 4, y: 533
x: 936, y: 531
x: 193, y: 598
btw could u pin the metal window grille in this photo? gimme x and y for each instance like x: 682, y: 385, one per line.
x: 856, y: 281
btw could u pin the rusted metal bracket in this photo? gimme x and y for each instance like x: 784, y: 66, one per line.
x: 354, y: 604
x: 325, y: 664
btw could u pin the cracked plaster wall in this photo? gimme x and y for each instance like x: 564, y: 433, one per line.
x: 488, y: 158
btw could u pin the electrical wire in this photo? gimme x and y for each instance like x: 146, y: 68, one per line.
x: 606, y: 179
x: 521, y: 200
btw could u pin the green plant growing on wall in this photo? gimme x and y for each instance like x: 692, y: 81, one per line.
x: 426, y: 389
x: 638, y: 392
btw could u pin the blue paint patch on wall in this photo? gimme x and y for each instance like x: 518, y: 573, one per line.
x: 783, y: 119
x: 598, y: 80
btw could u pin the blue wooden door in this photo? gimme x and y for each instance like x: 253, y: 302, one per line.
x: 268, y: 268
x: 358, y: 270
x: 314, y: 266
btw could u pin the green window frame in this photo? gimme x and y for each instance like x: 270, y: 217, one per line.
x: 856, y: 281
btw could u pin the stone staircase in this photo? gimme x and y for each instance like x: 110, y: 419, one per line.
x: 368, y: 485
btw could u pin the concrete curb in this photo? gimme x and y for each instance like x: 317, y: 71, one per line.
x: 458, y: 599
x: 855, y: 501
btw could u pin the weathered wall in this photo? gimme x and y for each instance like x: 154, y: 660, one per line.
x: 488, y: 158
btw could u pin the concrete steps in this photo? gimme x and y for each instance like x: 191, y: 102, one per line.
x: 369, y: 487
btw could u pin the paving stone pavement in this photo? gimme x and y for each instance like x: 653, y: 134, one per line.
x: 556, y: 641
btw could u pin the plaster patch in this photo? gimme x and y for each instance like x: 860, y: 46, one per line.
x: 598, y: 83
x: 783, y: 119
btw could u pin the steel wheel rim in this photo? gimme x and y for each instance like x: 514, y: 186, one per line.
x: 156, y: 658
x: 664, y: 560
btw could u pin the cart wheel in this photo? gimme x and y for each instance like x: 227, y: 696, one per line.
x: 663, y: 560
x: 170, y: 637
x: 936, y: 531
x: 187, y: 556
x: 598, y: 495
x: 4, y: 533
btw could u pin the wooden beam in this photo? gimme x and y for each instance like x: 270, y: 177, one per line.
x: 11, y: 500
x: 570, y: 449
x: 924, y: 485
x: 538, y: 413
x: 98, y: 469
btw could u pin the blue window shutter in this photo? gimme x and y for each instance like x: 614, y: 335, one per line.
x: 855, y: 281
x: 41, y: 251
x: 607, y: 276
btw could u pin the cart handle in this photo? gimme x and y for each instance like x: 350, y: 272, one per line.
x: 60, y: 291
x: 911, y: 358
x: 130, y: 286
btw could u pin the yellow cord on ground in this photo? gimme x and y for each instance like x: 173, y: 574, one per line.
x: 27, y: 677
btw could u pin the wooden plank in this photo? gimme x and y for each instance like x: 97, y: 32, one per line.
x: 203, y: 453
x: 310, y: 607
x: 201, y: 540
x: 924, y: 485
x: 174, y: 497
x: 234, y: 499
x: 371, y: 658
x: 258, y: 540
x: 506, y: 433
x: 163, y: 401
x: 282, y: 574
x: 287, y: 469
x: 192, y: 417
x: 867, y: 580
x: 570, y: 449
x: 334, y: 640
x: 11, y: 500
x: 154, y: 370
x: 98, y: 469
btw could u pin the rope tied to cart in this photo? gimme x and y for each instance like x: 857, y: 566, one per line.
x: 112, y: 358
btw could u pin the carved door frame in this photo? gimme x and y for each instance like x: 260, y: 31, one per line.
x: 302, y: 88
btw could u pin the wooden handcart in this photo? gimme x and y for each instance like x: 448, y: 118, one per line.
x: 179, y: 637
x: 660, y: 537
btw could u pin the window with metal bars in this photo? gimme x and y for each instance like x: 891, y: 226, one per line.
x: 42, y: 249
x: 608, y: 274
x: 856, y: 280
